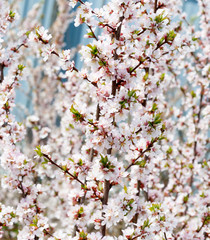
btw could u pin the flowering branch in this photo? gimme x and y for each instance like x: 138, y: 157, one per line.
x: 64, y: 170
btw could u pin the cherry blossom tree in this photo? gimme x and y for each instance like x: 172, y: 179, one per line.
x: 119, y: 148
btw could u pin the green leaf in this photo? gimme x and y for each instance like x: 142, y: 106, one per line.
x: 193, y: 94
x: 71, y: 125
x: 141, y: 163
x: 146, y: 224
x: 161, y: 41
x: 125, y: 189
x: 81, y: 210
x: 77, y: 116
x: 27, y: 33
x: 145, y: 77
x: 203, y: 195
x: 170, y: 150
x: 21, y: 67
x: 123, y: 102
x: 157, y: 119
x: 38, y: 151
x: 94, y: 49
x: 82, y: 236
x: 155, y: 207
x: 191, y: 166
x: 25, y: 162
x: 35, y: 220
x: 102, y: 63
x: 106, y: 163
x: 90, y: 34
x: 160, y: 18
x: 11, y: 14
x: 64, y: 168
x: 13, y: 215
x: 185, y: 199
x: 171, y: 35
x: 154, y: 107
x: 100, y: 186
x: 70, y: 159
x: 132, y: 93
x: 45, y: 161
x: 136, y: 32
x: 162, y: 77
x: 80, y: 163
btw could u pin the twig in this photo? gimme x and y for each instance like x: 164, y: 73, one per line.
x: 105, y: 201
x: 65, y: 171
x: 142, y: 154
x: 136, y: 236
x: 1, y: 72
x: 139, y: 64
x: 135, y: 218
x: 203, y: 223
x: 20, y: 186
x: 92, y: 32
x: 165, y: 236
x: 156, y: 6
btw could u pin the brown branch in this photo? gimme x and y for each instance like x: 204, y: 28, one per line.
x: 65, y: 171
x: 75, y: 69
x: 47, y: 233
x: 139, y: 64
x: 203, y: 224
x: 20, y: 186
x: 136, y: 236
x: 97, y: 112
x: 142, y: 154
x: 1, y: 72
x: 92, y: 32
x: 144, y: 29
x: 165, y: 236
x: 156, y: 6
x: 135, y: 218
x: 80, y: 1
x: 104, y: 202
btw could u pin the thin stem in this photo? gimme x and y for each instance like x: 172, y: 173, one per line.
x: 97, y: 112
x: 165, y: 236
x: 1, y: 72
x: 139, y: 64
x: 136, y: 236
x: 156, y: 6
x: 75, y: 69
x: 142, y: 154
x: 203, y: 224
x: 135, y: 218
x: 20, y: 186
x: 92, y: 32
x: 47, y: 233
x: 105, y: 201
x: 65, y: 171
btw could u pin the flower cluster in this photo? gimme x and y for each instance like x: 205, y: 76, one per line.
x: 117, y: 149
